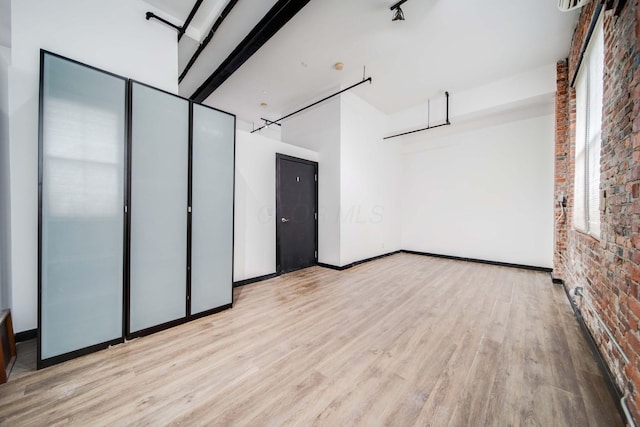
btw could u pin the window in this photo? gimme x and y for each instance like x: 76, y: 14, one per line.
x: 589, y: 93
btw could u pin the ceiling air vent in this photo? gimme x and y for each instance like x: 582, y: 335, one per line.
x: 567, y: 5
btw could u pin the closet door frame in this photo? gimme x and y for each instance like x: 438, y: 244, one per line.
x: 40, y: 363
x: 127, y: 285
x: 233, y: 213
x: 126, y: 203
x: 127, y: 282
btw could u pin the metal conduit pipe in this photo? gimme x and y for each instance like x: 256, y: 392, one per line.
x: 577, y: 291
x: 276, y: 122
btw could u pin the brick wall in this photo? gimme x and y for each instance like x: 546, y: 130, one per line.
x: 608, y: 269
x: 563, y: 167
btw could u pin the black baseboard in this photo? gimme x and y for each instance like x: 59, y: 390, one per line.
x: 41, y: 364
x: 210, y: 312
x: 333, y: 267
x: 254, y: 280
x: 30, y: 334
x: 353, y: 264
x: 616, y: 393
x: 481, y: 261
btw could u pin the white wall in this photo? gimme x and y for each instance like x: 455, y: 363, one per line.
x: 5, y: 231
x: 482, y: 187
x: 486, y: 193
x: 370, y: 171
x: 318, y: 129
x: 255, y: 202
x: 110, y: 35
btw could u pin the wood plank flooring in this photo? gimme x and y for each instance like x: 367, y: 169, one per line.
x: 401, y: 341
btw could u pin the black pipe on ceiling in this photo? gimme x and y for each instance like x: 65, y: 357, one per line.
x: 446, y: 123
x: 150, y: 15
x: 276, y: 122
x: 268, y: 26
x: 269, y: 122
x: 184, y: 27
x: 398, y: 4
x: 207, y: 39
x: 181, y: 30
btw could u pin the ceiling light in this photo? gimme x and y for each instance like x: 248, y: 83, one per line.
x: 339, y: 66
x: 263, y: 104
x: 398, y: 15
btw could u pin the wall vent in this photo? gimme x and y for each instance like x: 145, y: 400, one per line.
x: 567, y: 5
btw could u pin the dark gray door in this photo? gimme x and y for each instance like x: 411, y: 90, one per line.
x: 296, y: 213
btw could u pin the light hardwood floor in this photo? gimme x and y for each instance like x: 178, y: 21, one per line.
x: 404, y: 340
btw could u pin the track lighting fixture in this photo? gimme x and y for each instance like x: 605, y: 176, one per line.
x: 268, y: 123
x: 398, y: 14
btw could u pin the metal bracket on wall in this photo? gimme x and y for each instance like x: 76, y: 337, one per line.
x: 180, y: 30
x: 446, y: 123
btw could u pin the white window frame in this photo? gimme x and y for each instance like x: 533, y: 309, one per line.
x: 588, y: 137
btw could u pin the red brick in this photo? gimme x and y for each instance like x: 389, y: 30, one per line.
x: 634, y: 343
x: 634, y: 306
x: 633, y: 374
x: 633, y: 323
x: 634, y: 271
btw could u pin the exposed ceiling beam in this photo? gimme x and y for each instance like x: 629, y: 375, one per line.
x: 227, y: 9
x: 273, y: 21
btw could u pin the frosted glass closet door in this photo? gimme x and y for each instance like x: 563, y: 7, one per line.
x: 82, y: 202
x: 159, y: 184
x: 212, y: 215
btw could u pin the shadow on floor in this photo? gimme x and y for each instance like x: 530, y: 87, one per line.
x: 26, y: 359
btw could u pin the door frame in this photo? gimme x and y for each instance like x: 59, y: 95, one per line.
x: 279, y: 158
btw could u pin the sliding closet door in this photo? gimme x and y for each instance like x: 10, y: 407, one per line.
x: 212, y: 203
x: 82, y: 152
x: 158, y: 208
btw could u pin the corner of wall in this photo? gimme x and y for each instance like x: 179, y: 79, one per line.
x: 5, y: 195
x: 369, y: 168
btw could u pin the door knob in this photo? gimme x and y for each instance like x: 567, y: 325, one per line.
x: 284, y: 219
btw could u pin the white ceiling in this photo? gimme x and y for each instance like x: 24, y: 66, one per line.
x: 442, y: 45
